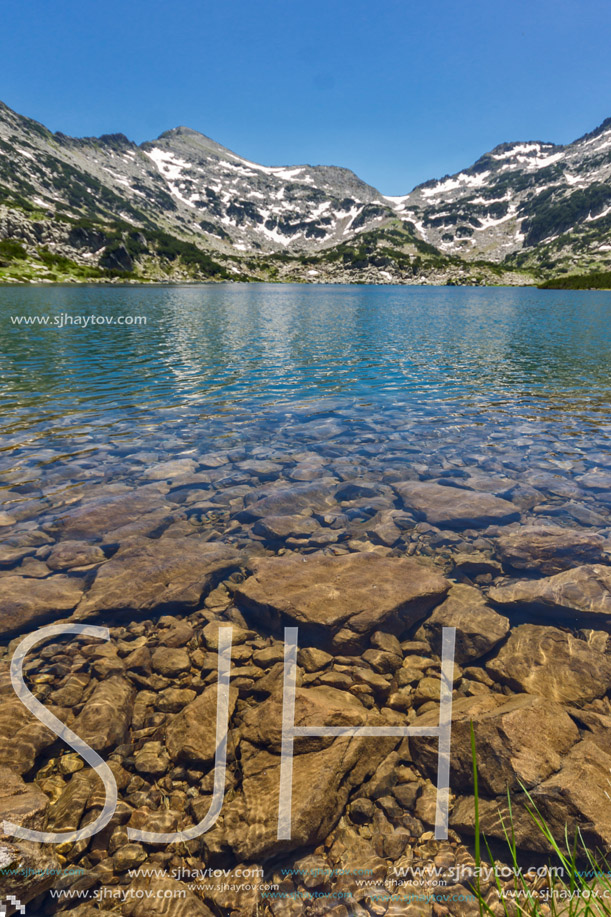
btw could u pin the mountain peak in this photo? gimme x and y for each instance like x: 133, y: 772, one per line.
x: 182, y: 131
x: 187, y: 138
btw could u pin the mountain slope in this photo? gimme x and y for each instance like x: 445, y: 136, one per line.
x: 551, y: 203
x: 185, y: 183
x: 184, y: 206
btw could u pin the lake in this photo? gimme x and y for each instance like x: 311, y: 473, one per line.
x: 406, y: 477
x: 443, y: 380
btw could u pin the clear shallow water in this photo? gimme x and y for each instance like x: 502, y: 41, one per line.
x: 435, y: 378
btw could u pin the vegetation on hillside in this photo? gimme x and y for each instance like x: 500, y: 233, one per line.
x: 391, y: 253
x: 597, y: 280
x: 122, y: 252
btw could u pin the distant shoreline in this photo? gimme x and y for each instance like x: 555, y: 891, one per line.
x: 290, y: 283
x: 276, y: 283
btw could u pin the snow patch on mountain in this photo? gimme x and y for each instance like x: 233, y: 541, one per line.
x: 450, y: 184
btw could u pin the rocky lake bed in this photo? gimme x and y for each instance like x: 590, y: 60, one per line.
x: 368, y: 526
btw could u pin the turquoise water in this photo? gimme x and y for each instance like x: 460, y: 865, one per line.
x: 442, y: 378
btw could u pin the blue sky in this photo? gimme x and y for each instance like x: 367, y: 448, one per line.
x: 397, y: 90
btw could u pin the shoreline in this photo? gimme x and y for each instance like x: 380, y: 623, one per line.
x: 177, y: 283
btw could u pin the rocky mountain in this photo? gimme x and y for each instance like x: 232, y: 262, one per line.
x: 183, y: 206
x: 185, y: 183
x: 527, y: 202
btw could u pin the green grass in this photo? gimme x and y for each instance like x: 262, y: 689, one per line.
x: 597, y: 280
x: 19, y: 265
x: 568, y: 894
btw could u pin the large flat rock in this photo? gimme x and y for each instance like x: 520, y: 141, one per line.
x: 162, y: 574
x: 585, y: 589
x: 95, y: 518
x: 552, y: 663
x: 549, y: 548
x: 455, y: 507
x: 28, y: 602
x: 341, y: 599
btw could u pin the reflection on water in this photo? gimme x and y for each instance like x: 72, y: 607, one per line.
x: 471, y: 371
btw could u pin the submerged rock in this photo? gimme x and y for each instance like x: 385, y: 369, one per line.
x: 191, y: 735
x: 455, y: 507
x: 577, y: 795
x: 22, y: 737
x: 161, y: 896
x: 478, y: 627
x: 170, y: 662
x: 26, y: 869
x: 166, y: 471
x: 283, y: 501
x: 323, y: 777
x: 157, y: 574
x: 596, y: 480
x: 341, y: 599
x: 552, y: 663
x: 21, y: 803
x: 549, y: 549
x: 519, y: 740
x: 283, y: 527
x: 573, y: 798
x: 28, y: 602
x: 106, y: 717
x: 93, y: 519
x: 66, y: 555
x: 585, y: 589
x: 262, y: 725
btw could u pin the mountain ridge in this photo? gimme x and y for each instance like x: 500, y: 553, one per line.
x: 524, y: 207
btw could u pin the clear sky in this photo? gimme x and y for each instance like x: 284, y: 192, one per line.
x: 400, y: 91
